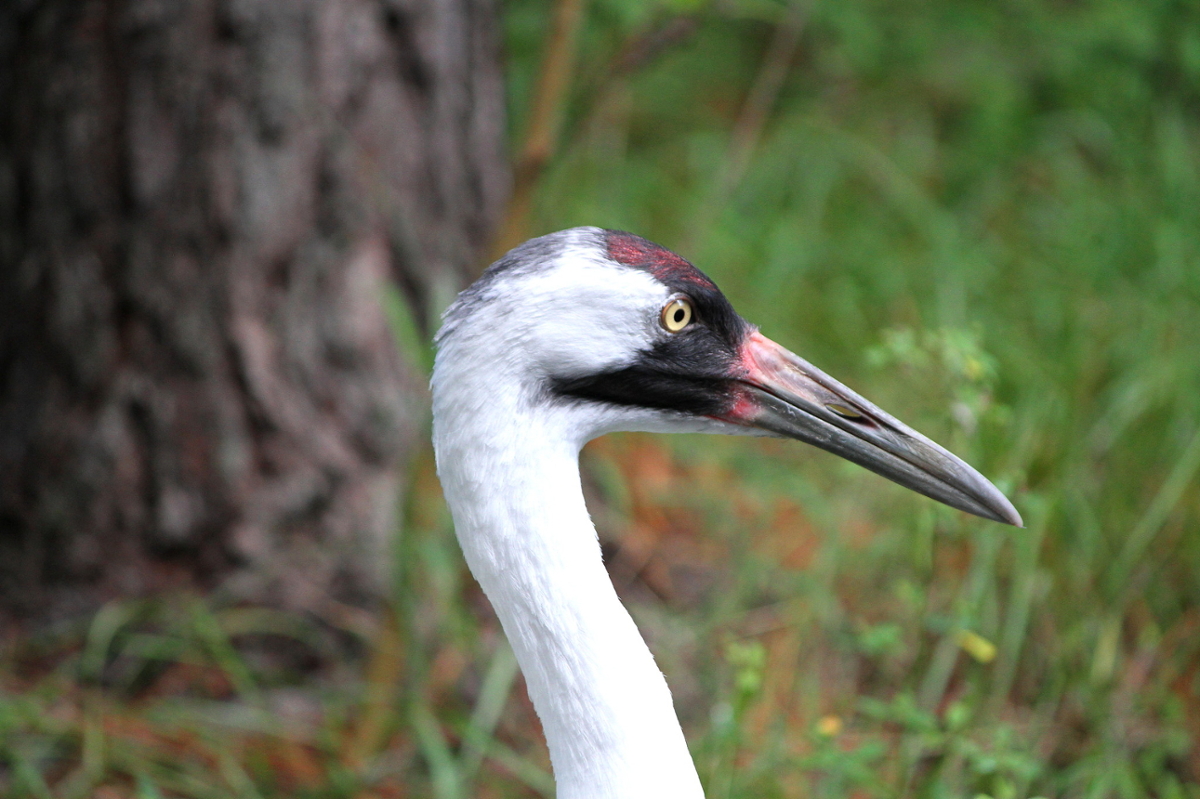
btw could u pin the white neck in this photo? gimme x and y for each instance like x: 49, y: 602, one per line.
x: 511, y: 478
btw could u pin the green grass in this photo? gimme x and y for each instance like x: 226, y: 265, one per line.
x: 985, y: 216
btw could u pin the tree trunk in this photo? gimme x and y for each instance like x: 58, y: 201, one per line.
x: 201, y: 203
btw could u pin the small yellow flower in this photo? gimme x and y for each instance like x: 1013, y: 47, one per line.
x: 829, y: 726
x: 977, y: 646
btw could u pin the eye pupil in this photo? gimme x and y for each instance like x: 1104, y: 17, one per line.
x: 676, y: 315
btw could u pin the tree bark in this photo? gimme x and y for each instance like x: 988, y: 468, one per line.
x: 200, y: 205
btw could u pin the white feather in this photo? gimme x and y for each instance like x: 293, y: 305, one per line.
x: 508, y: 460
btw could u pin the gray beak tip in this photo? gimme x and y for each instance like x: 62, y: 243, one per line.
x: 988, y: 501
x: 1014, y: 518
x: 998, y: 507
x: 1010, y: 516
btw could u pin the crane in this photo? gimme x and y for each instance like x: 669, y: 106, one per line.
x: 584, y: 332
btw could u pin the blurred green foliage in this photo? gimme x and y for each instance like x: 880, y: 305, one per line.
x: 985, y: 216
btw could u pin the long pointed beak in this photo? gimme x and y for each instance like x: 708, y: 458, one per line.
x: 785, y: 395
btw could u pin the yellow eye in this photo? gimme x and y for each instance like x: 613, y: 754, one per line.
x: 677, y: 314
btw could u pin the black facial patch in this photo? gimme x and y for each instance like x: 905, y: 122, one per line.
x: 689, y: 371
x: 661, y: 378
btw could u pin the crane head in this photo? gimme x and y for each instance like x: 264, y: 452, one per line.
x: 602, y: 330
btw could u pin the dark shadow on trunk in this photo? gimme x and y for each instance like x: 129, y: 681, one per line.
x: 200, y: 204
